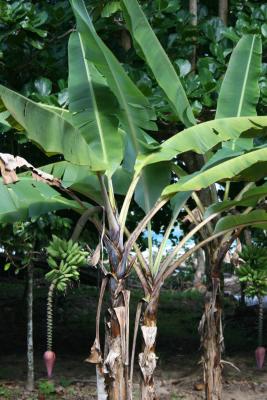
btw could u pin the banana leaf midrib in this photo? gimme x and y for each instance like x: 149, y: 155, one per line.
x: 94, y: 103
x: 245, y: 79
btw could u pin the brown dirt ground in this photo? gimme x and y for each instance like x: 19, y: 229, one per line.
x: 176, y: 378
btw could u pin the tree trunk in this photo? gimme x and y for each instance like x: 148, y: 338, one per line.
x: 210, y: 329
x: 193, y: 11
x: 148, y: 359
x: 223, y: 10
x: 30, y: 359
x: 100, y: 383
x: 116, y: 362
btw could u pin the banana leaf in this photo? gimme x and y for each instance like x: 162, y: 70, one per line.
x: 76, y: 177
x: 203, y: 137
x: 256, y: 219
x: 46, y: 127
x: 134, y: 113
x: 93, y: 107
x: 249, y: 199
x: 240, y: 92
x: 29, y: 198
x: 158, y: 61
x: 225, y: 170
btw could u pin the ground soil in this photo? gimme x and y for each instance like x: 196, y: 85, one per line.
x: 178, y: 374
x: 178, y: 378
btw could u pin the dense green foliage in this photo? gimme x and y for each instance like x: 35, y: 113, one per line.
x: 34, y: 53
x: 24, y: 243
x: 35, y: 34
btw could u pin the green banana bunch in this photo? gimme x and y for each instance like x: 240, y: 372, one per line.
x: 253, y: 271
x: 64, y: 258
x: 254, y: 255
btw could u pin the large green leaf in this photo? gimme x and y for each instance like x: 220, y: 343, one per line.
x: 224, y: 170
x: 256, y: 218
x: 81, y: 180
x: 240, y: 90
x: 29, y: 198
x: 158, y: 61
x: 85, y: 182
x: 46, y: 127
x: 93, y: 107
x: 3, y: 120
x: 76, y: 177
x: 121, y: 180
x: 62, y: 112
x: 153, y: 180
x: 232, y: 149
x: 134, y: 113
x: 253, y: 173
x: 203, y: 137
x: 222, y: 155
x: 249, y: 199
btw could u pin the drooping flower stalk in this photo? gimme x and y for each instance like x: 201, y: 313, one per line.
x: 30, y: 358
x: 49, y: 355
x: 50, y: 316
x: 260, y: 322
x: 260, y: 350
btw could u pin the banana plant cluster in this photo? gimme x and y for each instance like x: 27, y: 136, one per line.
x: 108, y: 140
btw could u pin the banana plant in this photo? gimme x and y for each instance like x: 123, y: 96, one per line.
x: 238, y: 97
x: 107, y: 150
x: 247, y: 55
x: 253, y: 273
x: 23, y: 198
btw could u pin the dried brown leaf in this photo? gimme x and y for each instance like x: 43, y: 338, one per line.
x: 9, y: 164
x: 149, y: 335
x: 95, y: 355
x: 121, y: 316
x: 94, y: 259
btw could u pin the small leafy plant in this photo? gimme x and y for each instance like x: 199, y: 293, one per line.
x: 4, y: 392
x: 46, y: 387
x: 65, y: 382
